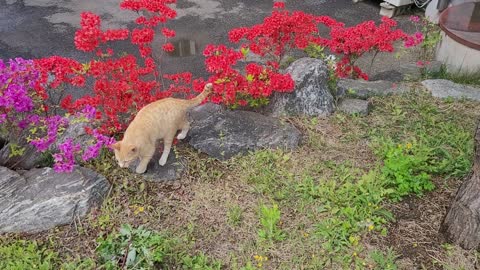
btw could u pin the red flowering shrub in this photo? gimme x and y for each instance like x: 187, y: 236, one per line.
x: 353, y: 42
x: 123, y: 84
x: 284, y: 31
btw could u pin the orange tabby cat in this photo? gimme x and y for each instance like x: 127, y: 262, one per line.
x: 158, y: 120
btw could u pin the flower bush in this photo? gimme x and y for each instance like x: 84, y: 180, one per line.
x: 353, y: 42
x: 25, y: 117
x: 122, y: 83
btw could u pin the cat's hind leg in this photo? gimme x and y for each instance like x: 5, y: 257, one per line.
x: 145, y: 158
x: 185, y: 128
x: 167, y: 145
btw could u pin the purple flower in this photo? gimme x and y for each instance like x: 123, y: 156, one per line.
x: 94, y: 150
x: 16, y: 80
x: 89, y: 112
x: 53, y: 125
x: 65, y: 159
x: 414, y: 19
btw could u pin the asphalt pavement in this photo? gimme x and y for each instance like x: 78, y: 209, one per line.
x: 39, y: 28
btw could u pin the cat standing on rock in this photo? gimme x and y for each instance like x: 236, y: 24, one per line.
x: 158, y: 120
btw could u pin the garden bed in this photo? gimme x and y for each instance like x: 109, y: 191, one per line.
x: 215, y: 210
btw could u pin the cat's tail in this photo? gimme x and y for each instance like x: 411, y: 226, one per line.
x: 198, y: 99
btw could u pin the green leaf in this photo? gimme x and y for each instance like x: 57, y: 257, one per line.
x: 132, y: 255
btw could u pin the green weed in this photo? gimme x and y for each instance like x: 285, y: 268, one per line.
x: 353, y: 207
x: 384, y: 261
x: 139, y: 248
x: 407, y: 168
x: 269, y: 220
x: 131, y: 248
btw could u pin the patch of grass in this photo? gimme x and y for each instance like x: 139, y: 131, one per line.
x: 26, y: 255
x: 21, y: 254
x: 200, y: 262
x: 353, y: 207
x: 315, y: 207
x: 441, y: 130
x: 139, y: 248
x: 469, y: 78
x: 131, y: 248
x: 234, y: 215
x: 268, y: 172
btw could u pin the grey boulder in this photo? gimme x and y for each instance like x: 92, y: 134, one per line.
x: 223, y: 133
x: 31, y: 158
x: 40, y: 199
x: 311, y: 96
x: 28, y: 159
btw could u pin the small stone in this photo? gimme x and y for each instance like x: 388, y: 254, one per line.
x: 223, y: 133
x: 354, y: 106
x: 365, y: 89
x: 172, y: 170
x: 40, y: 199
x: 30, y: 157
x: 311, y: 96
x: 409, y: 71
x: 447, y: 89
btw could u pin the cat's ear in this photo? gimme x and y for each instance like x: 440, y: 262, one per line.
x: 116, y: 145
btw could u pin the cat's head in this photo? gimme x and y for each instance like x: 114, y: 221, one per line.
x: 125, y: 154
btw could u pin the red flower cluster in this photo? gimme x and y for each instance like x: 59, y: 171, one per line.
x: 122, y: 85
x: 119, y: 87
x: 64, y: 70
x: 233, y: 88
x: 90, y: 36
x: 279, y: 33
x: 353, y: 42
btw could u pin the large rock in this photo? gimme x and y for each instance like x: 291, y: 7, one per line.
x: 409, y: 71
x: 447, y: 89
x: 31, y: 158
x: 354, y: 106
x: 40, y: 199
x: 76, y: 131
x: 224, y: 133
x: 311, y: 96
x: 365, y: 89
x: 27, y: 157
x: 172, y: 170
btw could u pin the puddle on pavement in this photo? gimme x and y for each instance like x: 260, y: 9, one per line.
x: 184, y: 47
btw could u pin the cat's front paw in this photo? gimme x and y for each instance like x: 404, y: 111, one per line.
x: 162, y: 162
x: 140, y: 170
